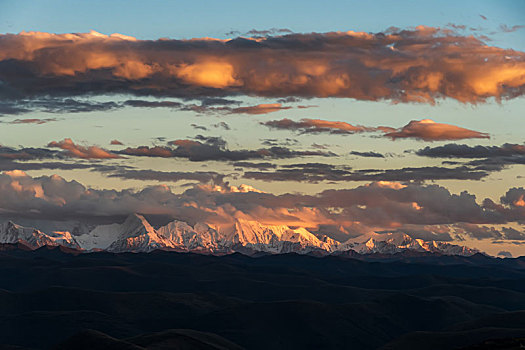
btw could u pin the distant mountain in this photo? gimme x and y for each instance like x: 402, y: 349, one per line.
x: 397, y: 242
x: 278, y: 239
x: 136, y: 234
x: 33, y: 238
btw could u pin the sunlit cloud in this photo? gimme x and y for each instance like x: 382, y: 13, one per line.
x: 415, y: 65
x: 77, y: 151
x: 429, y: 130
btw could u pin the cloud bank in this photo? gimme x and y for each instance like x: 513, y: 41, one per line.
x: 453, y: 150
x: 379, y: 206
x: 415, y: 65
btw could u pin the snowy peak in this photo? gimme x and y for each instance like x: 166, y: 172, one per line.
x: 181, y: 236
x: 135, y: 225
x: 396, y: 242
x: 278, y: 238
x: 33, y: 238
x: 135, y: 234
x: 253, y: 232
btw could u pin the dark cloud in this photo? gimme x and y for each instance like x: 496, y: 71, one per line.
x: 169, y: 176
x: 496, y: 163
x: 420, y: 174
x: 289, y: 99
x: 55, y: 105
x: 199, y: 127
x: 222, y: 125
x: 209, y: 106
x: 316, y: 126
x: 69, y: 105
x: 214, y: 101
x: 116, y: 142
x: 411, y: 65
x: 514, y: 198
x: 484, y: 158
x: 215, y: 148
x: 28, y: 158
x: 478, y: 231
x: 505, y: 254
x: 368, y: 154
x: 27, y: 153
x: 513, y: 234
x: 153, y: 104
x: 317, y: 172
x: 279, y: 142
x: 264, y: 165
x: 215, y: 141
x: 453, y: 150
x: 10, y: 108
x: 6, y: 165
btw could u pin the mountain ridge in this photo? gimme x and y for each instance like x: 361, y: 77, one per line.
x: 250, y: 237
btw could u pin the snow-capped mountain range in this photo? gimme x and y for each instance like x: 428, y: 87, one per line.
x: 136, y: 234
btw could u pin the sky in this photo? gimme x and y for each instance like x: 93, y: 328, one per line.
x: 344, y: 117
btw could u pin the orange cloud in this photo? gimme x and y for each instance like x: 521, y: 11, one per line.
x: 32, y: 121
x: 416, y: 65
x: 520, y: 202
x: 211, y: 73
x: 260, y: 109
x: 77, y: 151
x: 429, y: 130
